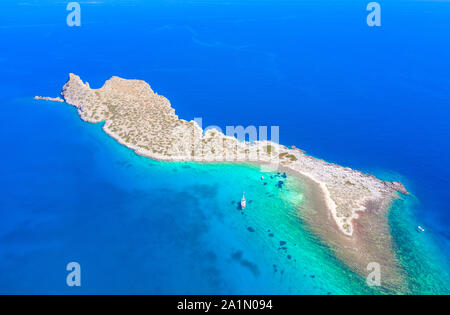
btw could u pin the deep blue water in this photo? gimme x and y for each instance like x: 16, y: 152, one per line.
x: 375, y: 99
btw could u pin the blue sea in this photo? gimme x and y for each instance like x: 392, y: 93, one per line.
x: 371, y: 98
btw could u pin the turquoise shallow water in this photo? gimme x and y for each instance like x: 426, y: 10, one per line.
x: 424, y: 262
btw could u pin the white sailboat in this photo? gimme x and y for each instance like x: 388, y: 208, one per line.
x: 243, y: 202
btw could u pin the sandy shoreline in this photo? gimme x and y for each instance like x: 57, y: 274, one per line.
x: 371, y: 241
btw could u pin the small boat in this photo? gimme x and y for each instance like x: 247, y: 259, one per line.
x: 421, y: 228
x: 262, y: 177
x: 243, y: 202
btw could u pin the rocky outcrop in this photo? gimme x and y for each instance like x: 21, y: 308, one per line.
x: 52, y: 99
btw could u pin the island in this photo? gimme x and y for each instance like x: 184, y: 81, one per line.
x: 348, y: 208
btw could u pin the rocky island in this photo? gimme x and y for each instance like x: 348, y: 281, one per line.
x: 349, y: 208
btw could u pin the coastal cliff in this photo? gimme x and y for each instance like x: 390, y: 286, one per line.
x: 144, y: 121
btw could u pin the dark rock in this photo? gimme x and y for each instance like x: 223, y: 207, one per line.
x: 397, y: 186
